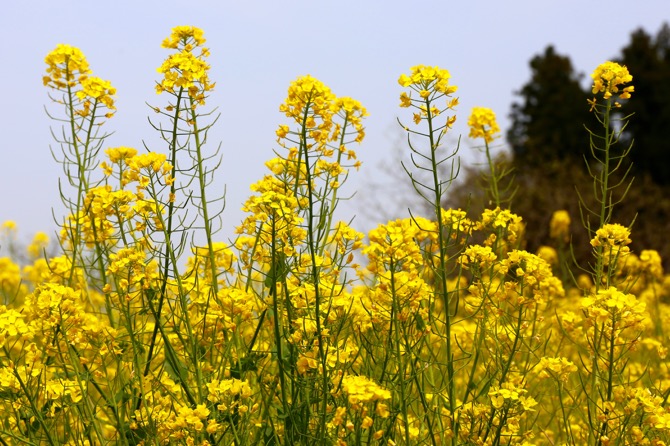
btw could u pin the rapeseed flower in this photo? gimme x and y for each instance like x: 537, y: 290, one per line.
x: 559, y: 226
x: 609, y: 77
x: 39, y: 243
x: 95, y: 91
x: 424, y: 78
x: 184, y: 35
x: 483, y: 124
x: 361, y: 389
x: 66, y: 66
x: 186, y: 70
x: 430, y: 84
x: 613, y: 239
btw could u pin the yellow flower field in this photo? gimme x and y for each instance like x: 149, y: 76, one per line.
x: 146, y: 328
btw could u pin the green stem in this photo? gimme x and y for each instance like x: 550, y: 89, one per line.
x: 494, y: 178
x: 442, y: 269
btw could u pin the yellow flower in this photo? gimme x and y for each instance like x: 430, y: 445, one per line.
x: 560, y: 368
x: 40, y: 241
x: 651, y: 263
x: 66, y: 66
x: 405, y: 100
x: 186, y: 70
x: 559, y: 226
x: 362, y: 390
x: 480, y: 257
x: 608, y: 77
x: 612, y: 238
x: 99, y: 90
x: 117, y: 154
x: 9, y: 225
x: 430, y: 83
x: 483, y: 124
x: 548, y: 254
x: 184, y: 35
x: 428, y: 78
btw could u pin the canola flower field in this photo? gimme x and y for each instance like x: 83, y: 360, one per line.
x: 430, y: 331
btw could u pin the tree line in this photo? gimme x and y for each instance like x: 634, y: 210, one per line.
x: 549, y: 143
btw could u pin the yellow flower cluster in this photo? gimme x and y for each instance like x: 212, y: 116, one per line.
x: 557, y: 368
x: 98, y: 90
x: 38, y: 245
x: 311, y: 99
x: 559, y: 226
x: 327, y: 125
x: 483, y: 124
x: 621, y: 315
x: 612, y: 239
x: 478, y: 257
x: 352, y: 112
x: 393, y: 245
x: 186, y: 70
x: 505, y: 226
x: 228, y: 394
x: 12, y: 327
x: 361, y: 390
x: 428, y: 78
x: 512, y: 396
x: 184, y: 35
x: 10, y: 278
x: 609, y: 77
x: 430, y: 83
x: 280, y: 337
x: 531, y: 274
x: 67, y: 68
x: 651, y: 263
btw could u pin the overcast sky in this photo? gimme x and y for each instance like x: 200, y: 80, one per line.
x: 358, y: 48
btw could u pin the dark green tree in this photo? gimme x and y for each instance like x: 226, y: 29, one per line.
x: 648, y: 60
x: 548, y: 122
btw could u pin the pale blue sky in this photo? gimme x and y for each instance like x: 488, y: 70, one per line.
x: 358, y: 48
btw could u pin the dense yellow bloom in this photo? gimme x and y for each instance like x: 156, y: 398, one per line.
x: 559, y: 368
x: 228, y: 393
x: 117, y: 154
x: 456, y: 222
x: 352, y: 113
x: 98, y: 90
x: 394, y: 244
x: 184, y: 35
x: 12, y: 325
x: 559, y: 226
x: 483, y: 124
x: 611, y: 235
x: 186, y: 70
x: 311, y: 98
x: 613, y: 239
x: 548, y: 254
x: 345, y: 238
x: 66, y: 66
x: 363, y: 390
x: 426, y: 78
x: 619, y: 312
x: 430, y: 84
x: 39, y: 243
x: 503, y: 224
x: 512, y: 396
x: 10, y: 277
x: 477, y: 257
x: 533, y: 274
x: 651, y: 263
x: 9, y: 225
x: 609, y: 77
